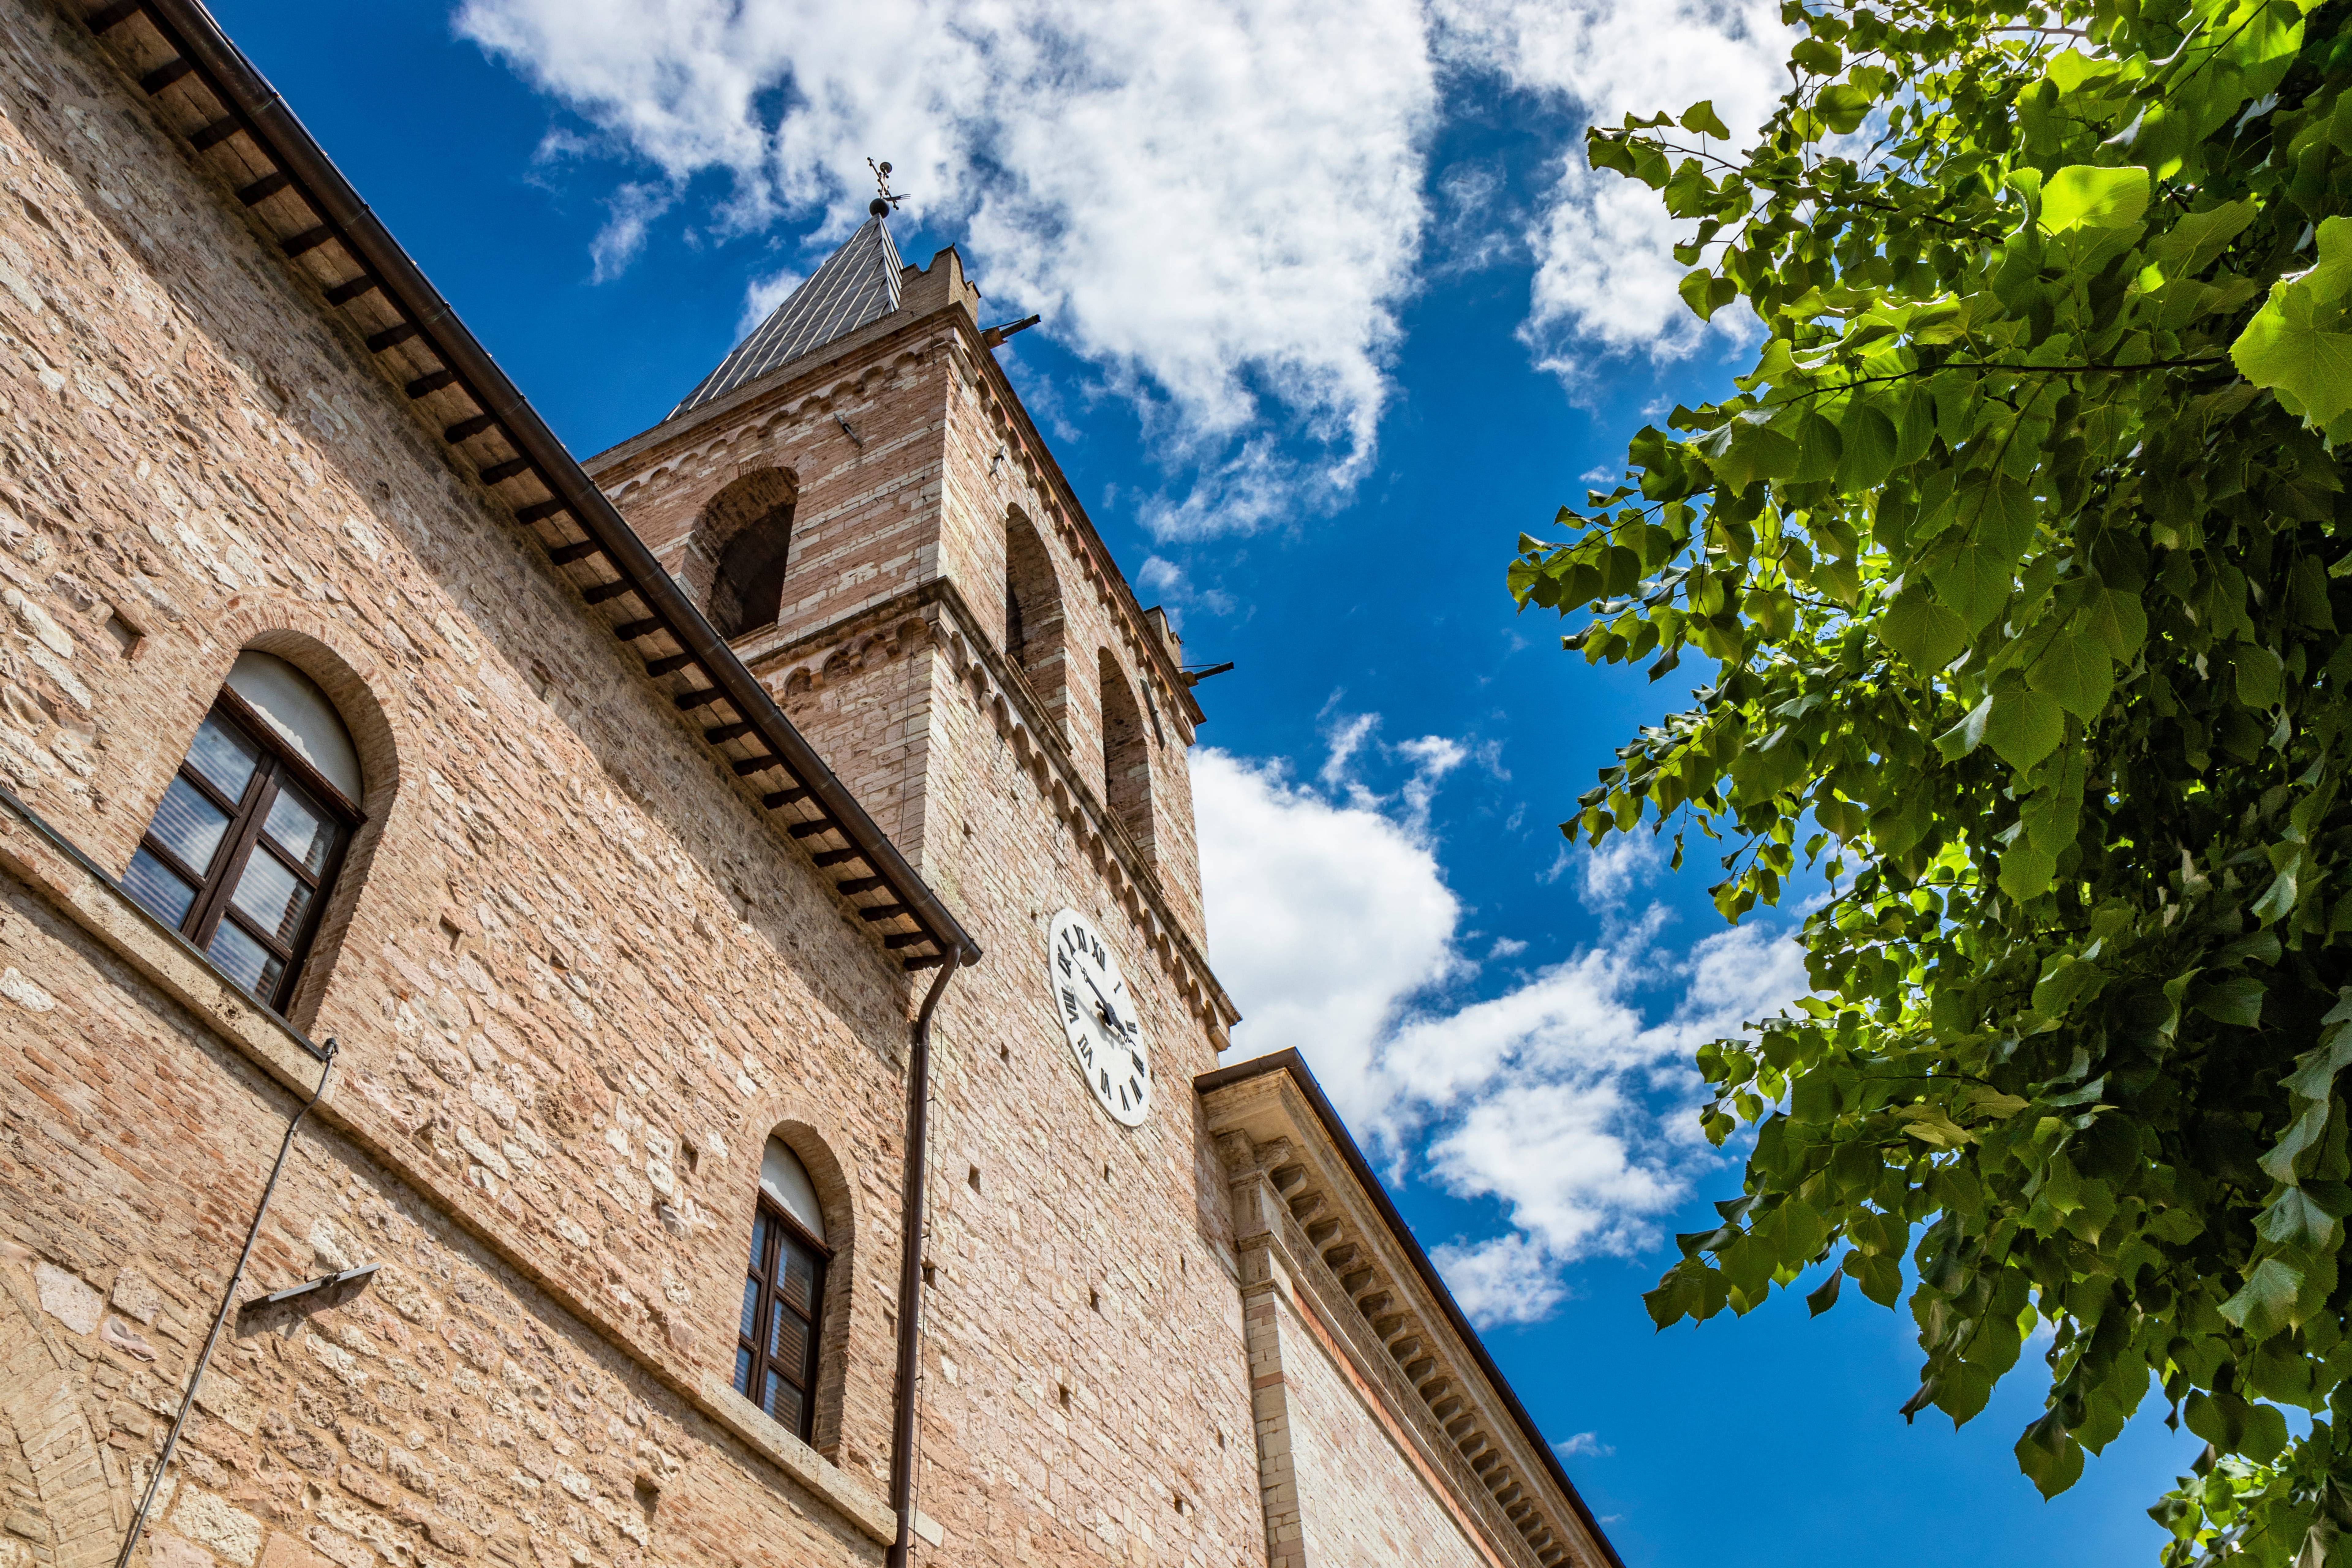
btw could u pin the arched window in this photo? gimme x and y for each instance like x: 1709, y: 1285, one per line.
x: 1033, y: 615
x: 736, y: 559
x: 246, y: 843
x: 782, y: 1324
x: 1127, y: 755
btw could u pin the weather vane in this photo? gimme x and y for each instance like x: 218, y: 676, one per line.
x: 883, y: 201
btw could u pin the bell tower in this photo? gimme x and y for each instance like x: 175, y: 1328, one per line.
x: 861, y: 505
x: 858, y: 480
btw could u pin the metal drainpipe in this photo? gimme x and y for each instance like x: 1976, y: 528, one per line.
x: 910, y: 1268
x: 228, y: 1300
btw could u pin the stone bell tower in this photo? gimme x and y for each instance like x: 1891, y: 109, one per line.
x: 858, y: 478
x: 860, y: 504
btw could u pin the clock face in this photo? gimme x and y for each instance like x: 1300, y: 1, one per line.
x: 1098, y: 1016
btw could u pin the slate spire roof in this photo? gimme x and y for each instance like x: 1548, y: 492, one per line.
x: 857, y: 284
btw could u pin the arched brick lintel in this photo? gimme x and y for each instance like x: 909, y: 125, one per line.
x: 46, y: 1442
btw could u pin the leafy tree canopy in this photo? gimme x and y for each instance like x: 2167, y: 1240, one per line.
x: 2021, y: 557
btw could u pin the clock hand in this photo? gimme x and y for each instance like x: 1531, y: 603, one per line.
x: 1103, y: 1008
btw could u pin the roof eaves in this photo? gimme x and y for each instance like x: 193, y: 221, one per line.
x: 1292, y: 1063
x: 304, y: 202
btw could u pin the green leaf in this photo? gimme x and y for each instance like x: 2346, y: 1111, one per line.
x: 1871, y: 442
x: 1999, y: 510
x: 2265, y: 1304
x: 2048, y: 1456
x: 1916, y: 428
x: 1818, y: 56
x: 2295, y: 1219
x: 1744, y: 450
x: 1701, y: 117
x: 1974, y: 579
x: 2025, y: 726
x: 2295, y: 344
x: 1819, y: 449
x: 2075, y: 671
x: 2116, y: 619
x: 2082, y: 196
x: 1974, y: 571
x: 1879, y: 1274
x: 2237, y: 1001
x: 2191, y: 244
x: 2279, y: 1163
x: 1706, y: 293
x: 1921, y: 631
x: 2026, y: 870
x: 1843, y: 107
x: 1968, y: 735
x: 2278, y: 900
x: 2260, y: 676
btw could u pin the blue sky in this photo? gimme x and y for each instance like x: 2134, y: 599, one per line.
x: 1330, y: 318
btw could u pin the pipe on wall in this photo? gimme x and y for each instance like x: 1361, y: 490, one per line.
x: 910, y: 1268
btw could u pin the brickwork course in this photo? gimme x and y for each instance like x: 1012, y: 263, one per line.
x: 593, y: 948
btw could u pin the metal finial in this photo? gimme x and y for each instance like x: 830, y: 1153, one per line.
x: 884, y: 201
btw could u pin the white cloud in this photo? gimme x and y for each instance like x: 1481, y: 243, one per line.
x: 629, y: 213
x: 1605, y: 275
x: 1178, y: 593
x: 1563, y: 1100
x: 1221, y: 203
x: 1323, y: 919
x: 1504, y: 1279
x: 1583, y: 1443
x: 1618, y: 865
x: 1218, y: 202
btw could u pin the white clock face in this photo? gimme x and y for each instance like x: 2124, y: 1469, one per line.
x: 1098, y: 1016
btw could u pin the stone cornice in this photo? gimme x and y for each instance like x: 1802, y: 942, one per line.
x: 840, y: 373
x: 943, y: 614
x: 1086, y: 546
x: 1297, y: 1194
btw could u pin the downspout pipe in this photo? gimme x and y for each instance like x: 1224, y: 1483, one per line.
x: 910, y: 1268
x: 220, y: 1319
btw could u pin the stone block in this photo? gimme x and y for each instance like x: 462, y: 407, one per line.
x: 218, y: 1526
x: 67, y: 1298
x: 135, y: 1296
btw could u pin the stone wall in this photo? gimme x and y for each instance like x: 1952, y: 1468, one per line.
x: 1362, y: 1499
x: 908, y: 461
x: 1086, y: 1392
x: 447, y: 1411
x: 576, y: 975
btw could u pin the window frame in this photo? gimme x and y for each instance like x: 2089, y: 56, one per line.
x: 216, y: 884
x: 752, y: 1378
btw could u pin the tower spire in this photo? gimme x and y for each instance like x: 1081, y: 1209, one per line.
x: 856, y: 286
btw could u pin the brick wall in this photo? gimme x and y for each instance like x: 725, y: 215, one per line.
x: 447, y: 1412
x: 576, y: 975
x: 1362, y: 1499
